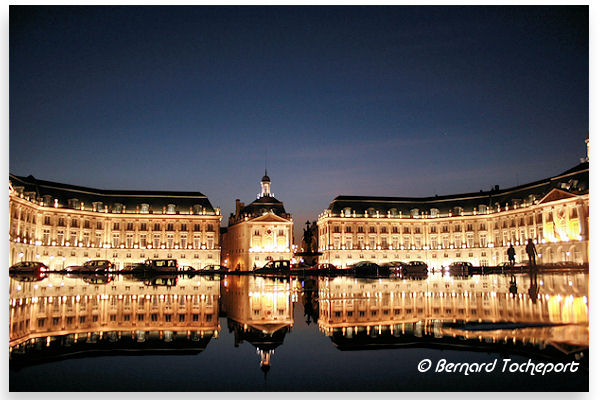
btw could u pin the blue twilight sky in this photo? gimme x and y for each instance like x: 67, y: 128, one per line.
x: 391, y: 101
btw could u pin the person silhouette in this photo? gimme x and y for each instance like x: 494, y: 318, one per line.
x: 531, y: 252
x: 511, y: 255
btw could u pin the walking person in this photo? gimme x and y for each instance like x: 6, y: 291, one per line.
x: 511, y: 255
x: 531, y: 252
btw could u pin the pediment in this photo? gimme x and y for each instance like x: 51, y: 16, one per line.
x: 269, y: 217
x: 555, y: 195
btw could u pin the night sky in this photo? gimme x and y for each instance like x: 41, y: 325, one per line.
x: 391, y: 101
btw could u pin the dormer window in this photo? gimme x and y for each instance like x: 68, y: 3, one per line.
x: 457, y: 210
x: 371, y: 211
x: 144, y: 208
x: 482, y: 209
x: 117, y: 208
x: 47, y: 200
x: 347, y: 211
x: 97, y: 206
x: 394, y: 212
x: 73, y: 203
x: 171, y: 209
x: 434, y: 212
x: 414, y: 212
x: 197, y: 209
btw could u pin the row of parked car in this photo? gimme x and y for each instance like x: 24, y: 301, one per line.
x: 105, y: 266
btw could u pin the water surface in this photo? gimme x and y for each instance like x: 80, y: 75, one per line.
x: 230, y: 333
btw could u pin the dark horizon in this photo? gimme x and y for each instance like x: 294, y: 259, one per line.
x: 384, y: 101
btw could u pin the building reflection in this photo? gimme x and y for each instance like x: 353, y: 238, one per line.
x: 63, y: 315
x: 259, y: 311
x: 494, y: 309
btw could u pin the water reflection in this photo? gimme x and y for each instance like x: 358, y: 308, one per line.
x: 58, y: 316
x: 488, y: 308
x: 63, y: 315
x: 259, y: 311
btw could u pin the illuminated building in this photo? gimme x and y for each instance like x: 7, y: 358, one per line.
x: 553, y: 306
x: 258, y: 232
x: 68, y: 314
x: 63, y: 225
x: 475, y: 227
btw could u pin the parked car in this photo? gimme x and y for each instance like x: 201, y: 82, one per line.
x: 370, y: 269
x: 215, y: 268
x: 275, y: 266
x: 458, y: 266
x: 97, y: 266
x: 28, y: 266
x: 415, y: 267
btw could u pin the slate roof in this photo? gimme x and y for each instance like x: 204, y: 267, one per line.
x: 129, y: 198
x: 574, y: 180
x: 264, y: 204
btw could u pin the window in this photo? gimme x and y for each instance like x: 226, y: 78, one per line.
x: 116, y: 226
x: 129, y: 240
x: 46, y: 237
x: 98, y: 241
x: 143, y: 226
x: 144, y: 208
x: 371, y: 229
x: 348, y: 229
x: 336, y: 229
x: 98, y: 225
x: 395, y: 229
x: 130, y: 226
x: 46, y: 220
x: 360, y: 229
x: 156, y: 241
x: 61, y: 221
x: 170, y: 240
x: 171, y: 209
x: 196, y: 227
x: 210, y: 228
x: 183, y: 227
x: 183, y: 241
x: 74, y: 223
x: 157, y: 227
x: 170, y: 227
x: 482, y: 240
x: 116, y: 240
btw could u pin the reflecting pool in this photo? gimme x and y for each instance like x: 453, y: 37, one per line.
x: 249, y: 333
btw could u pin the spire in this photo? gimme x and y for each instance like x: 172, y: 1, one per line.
x: 265, y: 185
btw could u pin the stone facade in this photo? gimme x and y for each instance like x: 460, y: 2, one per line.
x: 62, y: 225
x: 475, y: 227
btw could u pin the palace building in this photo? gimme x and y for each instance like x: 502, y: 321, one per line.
x: 62, y: 225
x: 474, y: 227
x: 258, y: 232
